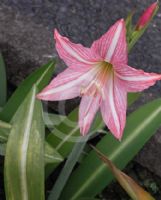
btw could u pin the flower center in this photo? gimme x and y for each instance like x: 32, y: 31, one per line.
x: 98, y: 79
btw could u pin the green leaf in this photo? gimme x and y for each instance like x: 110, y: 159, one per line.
x: 51, y: 155
x: 4, y: 135
x: 3, y: 82
x: 67, y: 169
x: 66, y: 134
x: 4, y: 125
x: 4, y: 131
x: 129, y: 26
x: 24, y: 160
x: 135, y: 191
x: 51, y: 119
x: 70, y: 133
x: 40, y: 78
x: 91, y: 177
x: 132, y: 97
x: 2, y: 149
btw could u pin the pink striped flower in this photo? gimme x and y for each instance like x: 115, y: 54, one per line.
x: 146, y: 16
x: 101, y: 76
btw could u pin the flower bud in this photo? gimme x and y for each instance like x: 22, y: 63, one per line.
x: 146, y: 16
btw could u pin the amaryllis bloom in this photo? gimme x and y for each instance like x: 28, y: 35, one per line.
x: 146, y: 16
x: 101, y: 76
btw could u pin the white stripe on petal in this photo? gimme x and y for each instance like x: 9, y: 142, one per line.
x: 114, y: 42
x: 136, y: 78
x: 112, y: 104
x: 86, y: 76
x: 71, y: 51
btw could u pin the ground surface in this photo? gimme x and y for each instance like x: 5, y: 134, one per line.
x: 26, y: 41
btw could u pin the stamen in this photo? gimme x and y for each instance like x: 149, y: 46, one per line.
x: 104, y: 70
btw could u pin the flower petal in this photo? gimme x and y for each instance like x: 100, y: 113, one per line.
x: 74, y: 55
x: 113, y: 107
x: 87, y: 110
x: 64, y: 86
x: 112, y: 46
x: 136, y: 80
x: 67, y: 85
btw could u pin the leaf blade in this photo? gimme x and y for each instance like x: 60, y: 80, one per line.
x: 65, y: 144
x: 67, y: 169
x: 39, y: 77
x: 141, y: 125
x: 51, y: 119
x: 51, y: 155
x: 135, y: 191
x: 26, y: 141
